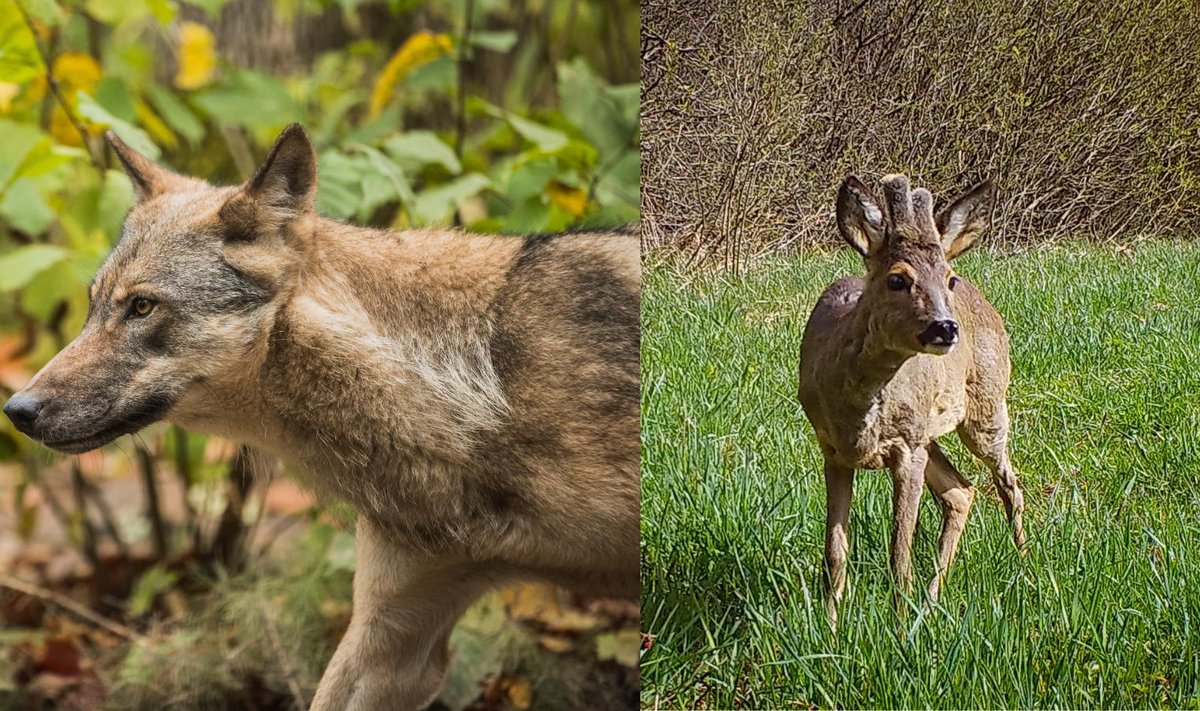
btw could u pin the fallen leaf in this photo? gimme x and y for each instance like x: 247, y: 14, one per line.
x: 59, y: 655
x: 555, y: 643
x: 520, y: 693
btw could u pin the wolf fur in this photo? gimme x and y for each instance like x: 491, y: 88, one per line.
x: 475, y: 398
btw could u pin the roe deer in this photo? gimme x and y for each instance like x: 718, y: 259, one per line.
x: 892, y: 361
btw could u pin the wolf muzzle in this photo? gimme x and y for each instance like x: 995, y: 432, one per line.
x: 23, y: 410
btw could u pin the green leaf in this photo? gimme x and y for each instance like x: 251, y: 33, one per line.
x: 602, y: 117
x: 529, y: 178
x: 250, y: 99
x: 154, y: 582
x: 414, y: 150
x: 22, y: 264
x: 23, y: 207
x: 545, y: 137
x: 528, y: 216
x: 116, y: 195
x: 137, y: 139
x: 114, y: 96
x: 44, y: 11
x: 438, y: 76
x: 340, y: 188
x: 176, y: 113
x: 44, y: 292
x: 115, y: 12
x: 19, y: 58
x: 497, y: 41
x: 622, y: 181
x: 384, y: 183
x: 164, y: 10
x: 19, y: 141
x: 437, y: 205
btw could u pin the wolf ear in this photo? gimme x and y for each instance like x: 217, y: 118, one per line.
x: 287, y: 179
x: 859, y: 218
x: 148, y: 178
x: 965, y: 219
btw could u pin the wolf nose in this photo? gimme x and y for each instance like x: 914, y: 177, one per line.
x: 941, y: 333
x: 23, y: 410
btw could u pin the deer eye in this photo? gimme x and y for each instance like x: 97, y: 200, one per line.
x: 897, y: 282
x: 140, y: 308
x: 954, y: 280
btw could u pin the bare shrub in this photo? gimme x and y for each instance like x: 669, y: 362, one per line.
x: 1087, y: 114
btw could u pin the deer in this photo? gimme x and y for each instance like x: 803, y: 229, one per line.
x: 893, y: 360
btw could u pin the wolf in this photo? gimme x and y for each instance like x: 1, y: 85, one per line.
x: 475, y: 398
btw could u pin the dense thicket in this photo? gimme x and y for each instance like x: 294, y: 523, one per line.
x: 1085, y: 113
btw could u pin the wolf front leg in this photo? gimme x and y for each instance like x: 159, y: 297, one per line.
x: 396, y: 651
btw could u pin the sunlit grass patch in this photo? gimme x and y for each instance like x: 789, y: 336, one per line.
x: 1103, y: 611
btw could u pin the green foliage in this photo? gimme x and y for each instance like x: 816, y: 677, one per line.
x: 1106, y: 439
x: 224, y: 652
x: 534, y: 148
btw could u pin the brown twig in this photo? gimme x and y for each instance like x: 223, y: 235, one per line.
x: 52, y: 83
x: 239, y: 149
x: 284, y: 666
x: 79, y: 487
x: 72, y: 607
x: 460, y: 131
x: 149, y: 478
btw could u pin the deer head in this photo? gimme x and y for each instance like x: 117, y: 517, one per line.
x: 910, y: 288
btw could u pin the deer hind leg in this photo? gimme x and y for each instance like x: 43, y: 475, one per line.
x: 954, y: 495
x: 907, y: 476
x: 839, y: 484
x: 987, y: 438
x: 396, y: 651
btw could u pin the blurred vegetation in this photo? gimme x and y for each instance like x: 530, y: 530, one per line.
x: 510, y: 117
x: 1084, y: 113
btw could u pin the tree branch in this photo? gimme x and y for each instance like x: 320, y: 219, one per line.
x: 52, y: 83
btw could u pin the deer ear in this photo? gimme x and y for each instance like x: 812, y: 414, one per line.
x: 965, y: 219
x: 859, y: 217
x: 287, y: 179
x: 148, y: 178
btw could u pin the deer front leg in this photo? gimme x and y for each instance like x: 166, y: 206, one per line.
x: 908, y: 475
x: 396, y: 651
x: 839, y: 484
x: 954, y: 495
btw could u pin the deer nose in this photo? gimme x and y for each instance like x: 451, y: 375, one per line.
x: 940, y: 333
x: 23, y: 410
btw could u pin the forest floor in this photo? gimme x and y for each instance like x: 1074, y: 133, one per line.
x: 170, y: 632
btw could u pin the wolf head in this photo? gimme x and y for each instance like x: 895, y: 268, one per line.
x: 182, y: 307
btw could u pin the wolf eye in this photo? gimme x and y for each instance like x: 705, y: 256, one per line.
x: 140, y: 308
x: 954, y: 280
x: 896, y: 282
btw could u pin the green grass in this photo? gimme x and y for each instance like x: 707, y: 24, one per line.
x: 1103, y: 612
